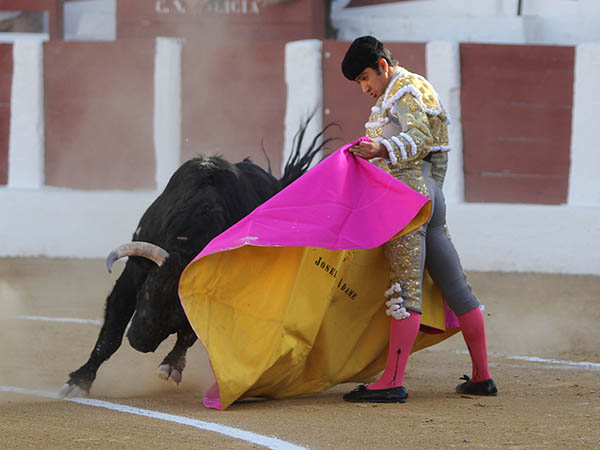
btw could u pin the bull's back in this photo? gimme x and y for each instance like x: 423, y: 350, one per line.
x: 205, y: 196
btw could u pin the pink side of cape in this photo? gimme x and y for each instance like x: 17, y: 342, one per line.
x: 342, y: 203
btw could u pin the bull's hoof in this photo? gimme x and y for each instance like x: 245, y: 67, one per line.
x: 72, y: 391
x: 169, y: 373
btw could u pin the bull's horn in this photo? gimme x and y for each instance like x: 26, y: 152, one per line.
x: 144, y: 249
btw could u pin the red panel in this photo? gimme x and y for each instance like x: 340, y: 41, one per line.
x: 99, y: 114
x: 519, y: 120
x: 506, y: 188
x: 522, y: 84
x: 343, y: 101
x: 234, y: 101
x: 505, y: 155
x: 222, y: 20
x: 29, y: 5
x: 6, y: 70
x: 516, y: 116
x: 4, y: 134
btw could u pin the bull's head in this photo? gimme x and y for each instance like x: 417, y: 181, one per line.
x: 158, y: 312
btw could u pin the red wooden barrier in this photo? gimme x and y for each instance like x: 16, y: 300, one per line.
x: 99, y: 108
x: 6, y: 70
x: 516, y: 117
x: 234, y: 100
x: 99, y: 114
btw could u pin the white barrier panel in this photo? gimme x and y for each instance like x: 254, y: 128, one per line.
x: 443, y: 72
x: 304, y: 81
x: 167, y: 108
x: 526, y: 238
x: 26, y: 138
x: 69, y: 224
x: 584, y: 182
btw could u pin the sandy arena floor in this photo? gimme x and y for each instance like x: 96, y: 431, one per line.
x: 552, y: 402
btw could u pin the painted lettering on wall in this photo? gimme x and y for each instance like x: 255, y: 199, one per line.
x: 198, y: 7
x: 333, y: 272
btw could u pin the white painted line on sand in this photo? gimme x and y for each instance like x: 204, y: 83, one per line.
x: 550, y: 363
x: 585, y: 364
x: 236, y: 433
x: 61, y: 320
x: 528, y: 366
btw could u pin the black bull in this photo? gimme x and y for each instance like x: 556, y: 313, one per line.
x: 204, y: 197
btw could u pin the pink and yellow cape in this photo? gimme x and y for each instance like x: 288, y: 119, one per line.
x: 290, y: 300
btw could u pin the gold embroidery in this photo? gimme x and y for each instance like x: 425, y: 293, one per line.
x: 408, y: 79
x: 380, y: 162
x: 404, y: 258
x: 412, y: 177
x: 427, y: 129
x: 439, y: 164
x: 375, y: 133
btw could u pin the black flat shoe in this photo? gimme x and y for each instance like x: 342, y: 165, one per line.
x: 487, y: 387
x: 391, y: 395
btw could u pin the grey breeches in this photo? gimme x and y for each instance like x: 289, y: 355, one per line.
x: 442, y: 260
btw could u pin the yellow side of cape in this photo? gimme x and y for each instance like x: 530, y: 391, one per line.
x: 285, y: 321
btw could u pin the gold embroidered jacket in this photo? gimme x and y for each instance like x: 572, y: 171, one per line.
x: 410, y: 121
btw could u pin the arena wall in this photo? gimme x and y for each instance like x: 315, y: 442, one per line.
x: 85, y: 215
x: 551, y: 22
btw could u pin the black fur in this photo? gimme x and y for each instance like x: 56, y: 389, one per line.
x: 205, y: 196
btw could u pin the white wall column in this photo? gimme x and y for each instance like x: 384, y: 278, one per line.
x: 304, y: 81
x: 443, y: 71
x: 584, y: 183
x: 26, y: 139
x: 167, y: 108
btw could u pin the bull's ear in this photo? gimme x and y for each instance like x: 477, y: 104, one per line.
x: 146, y: 250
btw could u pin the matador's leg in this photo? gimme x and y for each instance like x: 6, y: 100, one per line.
x: 405, y: 258
x: 446, y: 270
x: 405, y: 261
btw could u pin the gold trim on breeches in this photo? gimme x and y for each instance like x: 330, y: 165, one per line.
x: 405, y: 256
x: 405, y: 260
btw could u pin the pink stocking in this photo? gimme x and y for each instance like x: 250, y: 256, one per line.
x: 473, y: 330
x: 402, y: 337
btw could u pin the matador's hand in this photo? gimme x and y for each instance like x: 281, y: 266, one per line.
x: 368, y: 150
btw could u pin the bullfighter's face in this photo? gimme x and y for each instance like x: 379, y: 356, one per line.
x: 373, y: 82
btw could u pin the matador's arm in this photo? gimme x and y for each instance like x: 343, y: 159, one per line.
x: 415, y: 139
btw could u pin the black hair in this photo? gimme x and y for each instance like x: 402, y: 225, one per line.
x: 365, y: 51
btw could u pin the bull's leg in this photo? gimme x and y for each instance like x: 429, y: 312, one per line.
x: 120, y: 306
x: 172, y: 366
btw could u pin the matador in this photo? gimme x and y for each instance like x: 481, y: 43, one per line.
x: 408, y: 131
